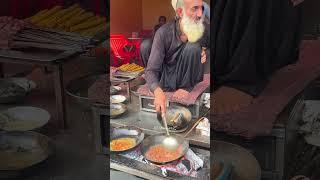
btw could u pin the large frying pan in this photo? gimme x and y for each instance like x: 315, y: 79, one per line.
x: 158, y: 139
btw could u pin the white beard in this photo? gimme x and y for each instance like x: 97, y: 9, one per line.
x: 193, y: 29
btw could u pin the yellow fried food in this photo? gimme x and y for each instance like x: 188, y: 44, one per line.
x: 53, y: 21
x: 93, y: 30
x: 37, y: 16
x: 47, y: 15
x: 131, y: 67
x: 70, y: 15
x: 79, y: 19
x: 92, y: 22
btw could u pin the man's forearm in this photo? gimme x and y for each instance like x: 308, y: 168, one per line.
x: 152, y: 80
x: 155, y: 62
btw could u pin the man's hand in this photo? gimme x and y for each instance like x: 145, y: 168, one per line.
x: 228, y: 100
x: 180, y: 93
x: 203, y: 56
x: 160, y: 101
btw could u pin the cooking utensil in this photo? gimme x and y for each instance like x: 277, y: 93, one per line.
x: 114, y: 89
x: 120, y: 79
x: 126, y: 132
x: 46, y: 39
x: 34, y: 39
x: 14, y: 89
x: 165, y: 123
x: 178, y: 118
x: 169, y: 142
x: 115, y: 110
x: 51, y: 31
x: 38, y: 55
x: 126, y: 74
x: 78, y: 89
x: 196, y: 123
x: 24, y: 44
x: 158, y: 140
x: 114, y: 99
x: 50, y: 35
x: 58, y: 32
x: 19, y: 150
x: 24, y: 118
x: 41, y: 37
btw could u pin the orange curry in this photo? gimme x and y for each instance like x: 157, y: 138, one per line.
x: 159, y: 153
x: 122, y: 144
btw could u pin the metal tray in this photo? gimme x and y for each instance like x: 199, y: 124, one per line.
x: 23, y: 118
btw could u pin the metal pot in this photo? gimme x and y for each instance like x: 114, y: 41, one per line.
x: 78, y: 89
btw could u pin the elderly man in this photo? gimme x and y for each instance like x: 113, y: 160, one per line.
x: 178, y: 52
x: 145, y: 47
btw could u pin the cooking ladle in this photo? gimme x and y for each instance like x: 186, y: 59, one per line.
x: 169, y: 142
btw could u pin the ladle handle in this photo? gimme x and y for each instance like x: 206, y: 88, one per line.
x: 165, y: 123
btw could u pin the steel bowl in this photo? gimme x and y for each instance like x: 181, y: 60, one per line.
x: 78, y: 88
x: 126, y: 132
x: 117, y: 99
x: 116, y: 110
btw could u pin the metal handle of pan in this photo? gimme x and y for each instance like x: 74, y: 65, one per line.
x: 196, y: 123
